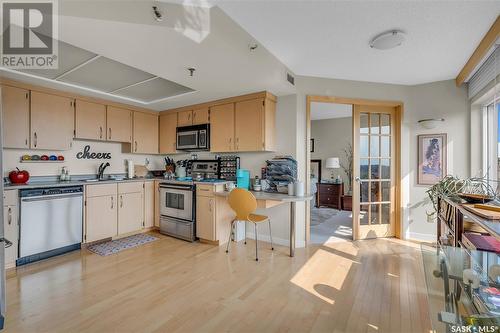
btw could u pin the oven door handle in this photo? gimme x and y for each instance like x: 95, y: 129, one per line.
x: 176, y: 187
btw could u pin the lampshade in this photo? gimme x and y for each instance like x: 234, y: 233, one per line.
x: 332, y: 163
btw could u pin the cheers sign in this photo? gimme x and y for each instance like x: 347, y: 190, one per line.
x: 86, y: 154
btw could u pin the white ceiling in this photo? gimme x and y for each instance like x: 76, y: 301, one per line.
x: 189, y: 36
x: 330, y: 38
x: 330, y: 110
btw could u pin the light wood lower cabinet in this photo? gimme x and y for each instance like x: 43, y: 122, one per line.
x: 90, y: 120
x: 119, y: 124
x: 115, y: 209
x: 130, y: 212
x: 205, y: 218
x: 101, y: 214
x: 213, y: 214
x: 16, y: 117
x: 168, y: 135
x: 157, y: 204
x: 222, y: 128
x: 11, y: 226
x: 51, y: 121
x: 149, y: 204
x: 145, y: 133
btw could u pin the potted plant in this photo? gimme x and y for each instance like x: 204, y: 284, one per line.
x: 457, y: 189
x: 346, y: 165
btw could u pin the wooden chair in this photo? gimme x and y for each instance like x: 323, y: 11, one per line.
x: 243, y: 203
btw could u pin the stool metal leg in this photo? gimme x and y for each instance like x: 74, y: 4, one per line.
x: 245, y: 223
x: 256, y: 251
x: 229, y: 240
x: 270, y: 234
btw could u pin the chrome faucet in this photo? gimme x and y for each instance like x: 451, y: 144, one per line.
x: 102, y: 167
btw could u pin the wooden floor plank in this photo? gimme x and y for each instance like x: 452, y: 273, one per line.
x: 174, y: 286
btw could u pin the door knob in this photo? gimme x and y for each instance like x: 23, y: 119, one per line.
x: 357, y: 179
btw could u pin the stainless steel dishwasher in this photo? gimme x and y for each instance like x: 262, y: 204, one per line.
x: 51, y: 222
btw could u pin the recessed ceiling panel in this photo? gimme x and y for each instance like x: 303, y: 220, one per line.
x: 69, y: 56
x: 153, y: 90
x: 105, y: 75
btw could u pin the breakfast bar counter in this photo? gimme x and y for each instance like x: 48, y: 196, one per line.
x: 270, y: 199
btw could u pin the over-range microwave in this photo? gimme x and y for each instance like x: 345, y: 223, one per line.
x: 196, y: 137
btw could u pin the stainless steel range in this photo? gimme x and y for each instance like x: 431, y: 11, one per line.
x: 177, y: 210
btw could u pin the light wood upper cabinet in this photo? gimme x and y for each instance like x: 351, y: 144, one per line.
x: 51, y: 121
x: 222, y: 128
x: 16, y: 115
x: 201, y: 116
x: 185, y: 118
x: 168, y: 135
x: 254, y: 125
x: 119, y: 124
x: 101, y: 217
x: 145, y: 133
x: 130, y: 212
x: 149, y: 204
x: 90, y: 120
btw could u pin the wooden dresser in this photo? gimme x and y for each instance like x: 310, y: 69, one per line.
x: 328, y: 195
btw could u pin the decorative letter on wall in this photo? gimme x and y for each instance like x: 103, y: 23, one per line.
x: 87, y: 155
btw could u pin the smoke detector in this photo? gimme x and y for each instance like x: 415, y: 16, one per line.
x: 388, y: 40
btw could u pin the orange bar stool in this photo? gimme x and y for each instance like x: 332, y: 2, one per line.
x: 244, y: 204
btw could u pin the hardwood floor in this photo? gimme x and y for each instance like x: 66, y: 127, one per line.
x: 174, y: 286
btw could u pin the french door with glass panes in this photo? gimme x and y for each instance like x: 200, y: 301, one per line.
x: 373, y: 171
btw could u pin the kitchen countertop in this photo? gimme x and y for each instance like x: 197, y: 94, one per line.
x: 43, y: 184
x: 72, y: 183
x: 259, y: 195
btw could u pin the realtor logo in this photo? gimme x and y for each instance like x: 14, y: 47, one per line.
x: 29, y: 34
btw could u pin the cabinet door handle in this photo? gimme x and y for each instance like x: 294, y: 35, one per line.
x: 100, y: 132
x: 112, y: 203
x: 35, y: 137
x: 189, y: 116
x: 26, y: 142
x: 121, y: 201
x: 136, y: 146
x: 110, y: 133
x: 210, y: 203
x: 9, y: 218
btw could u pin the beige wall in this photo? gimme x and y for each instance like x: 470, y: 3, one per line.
x: 437, y: 99
x: 12, y: 157
x: 331, y: 137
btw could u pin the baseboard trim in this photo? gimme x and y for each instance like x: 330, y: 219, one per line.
x: 428, y: 238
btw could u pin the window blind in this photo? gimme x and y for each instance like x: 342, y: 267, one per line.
x: 486, y: 73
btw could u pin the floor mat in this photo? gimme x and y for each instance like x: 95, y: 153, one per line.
x: 115, y: 246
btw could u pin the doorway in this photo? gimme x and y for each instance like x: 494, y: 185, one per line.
x: 331, y: 172
x: 376, y: 164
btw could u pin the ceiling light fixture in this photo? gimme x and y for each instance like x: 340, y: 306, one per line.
x: 157, y: 13
x: 388, y: 40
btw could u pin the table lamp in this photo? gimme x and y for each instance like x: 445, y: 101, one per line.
x: 333, y: 163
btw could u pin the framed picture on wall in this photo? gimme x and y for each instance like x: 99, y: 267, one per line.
x: 431, y: 158
x: 316, y: 170
x: 312, y: 145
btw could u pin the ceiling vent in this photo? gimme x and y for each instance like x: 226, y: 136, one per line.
x: 290, y: 78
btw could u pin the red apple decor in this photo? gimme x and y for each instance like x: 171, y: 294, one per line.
x: 19, y: 176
